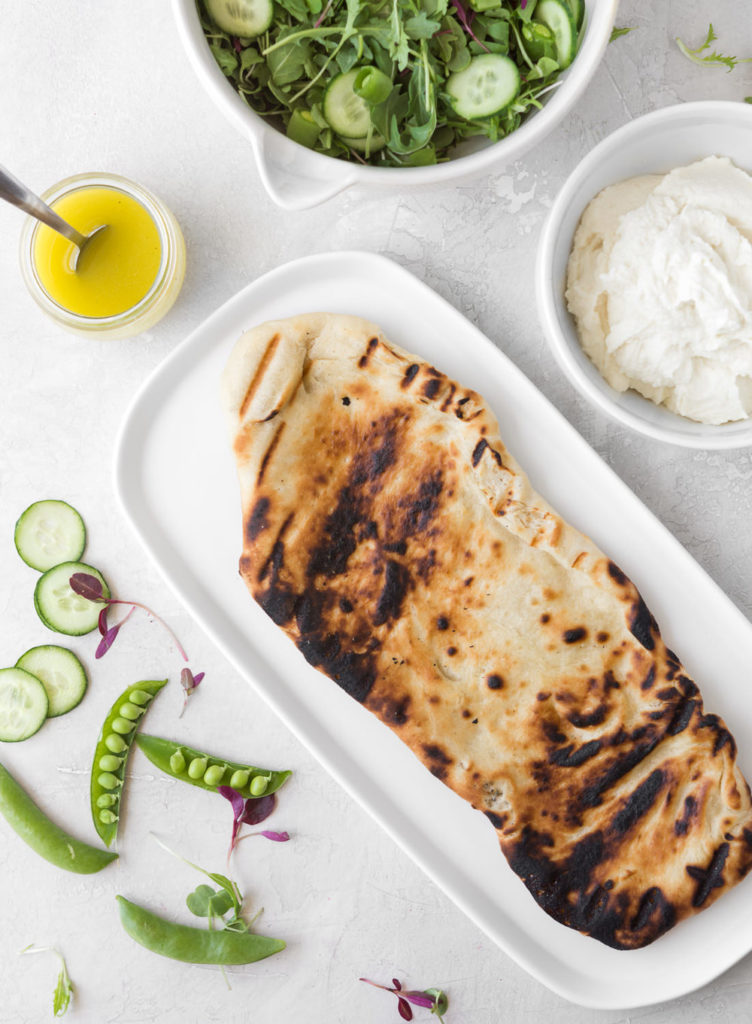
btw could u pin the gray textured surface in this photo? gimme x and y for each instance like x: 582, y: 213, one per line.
x: 105, y: 86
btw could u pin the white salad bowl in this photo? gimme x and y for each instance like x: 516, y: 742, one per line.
x: 296, y: 178
x: 653, y: 144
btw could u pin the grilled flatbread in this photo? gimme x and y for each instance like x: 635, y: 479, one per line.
x: 389, y: 533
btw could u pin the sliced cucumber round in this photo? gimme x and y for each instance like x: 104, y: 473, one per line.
x: 487, y: 85
x: 50, y: 532
x: 246, y: 18
x: 60, y: 672
x: 60, y: 608
x: 348, y: 114
x: 557, y: 14
x: 372, y: 145
x: 578, y: 12
x: 23, y: 705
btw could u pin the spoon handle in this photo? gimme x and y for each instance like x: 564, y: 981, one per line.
x: 15, y: 192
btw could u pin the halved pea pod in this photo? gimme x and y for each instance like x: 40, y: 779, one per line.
x: 111, y: 754
x: 208, y: 771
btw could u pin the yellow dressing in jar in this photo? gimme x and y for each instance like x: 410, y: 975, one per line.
x: 127, y: 277
x: 116, y: 269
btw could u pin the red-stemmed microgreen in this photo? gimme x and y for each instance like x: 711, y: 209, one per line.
x: 466, y: 22
x: 250, y: 811
x: 189, y: 682
x: 90, y: 588
x: 432, y: 999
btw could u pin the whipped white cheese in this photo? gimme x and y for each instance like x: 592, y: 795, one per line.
x: 660, y: 284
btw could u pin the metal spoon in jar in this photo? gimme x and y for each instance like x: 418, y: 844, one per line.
x: 15, y: 192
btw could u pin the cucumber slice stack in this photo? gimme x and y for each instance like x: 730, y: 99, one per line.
x: 48, y: 680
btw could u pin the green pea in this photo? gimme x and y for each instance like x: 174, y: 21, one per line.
x: 107, y: 817
x: 177, y: 762
x: 131, y: 711
x: 258, y: 785
x: 139, y: 697
x: 106, y: 800
x: 110, y: 763
x: 197, y: 767
x: 239, y: 779
x: 108, y: 781
x: 214, y: 774
x: 123, y: 726
x: 115, y: 744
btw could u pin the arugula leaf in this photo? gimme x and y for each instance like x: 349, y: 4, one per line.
x: 616, y: 33
x: 713, y: 59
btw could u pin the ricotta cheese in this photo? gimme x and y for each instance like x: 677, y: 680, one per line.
x: 659, y: 282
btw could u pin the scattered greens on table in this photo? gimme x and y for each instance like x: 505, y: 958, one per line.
x: 392, y: 82
x: 713, y: 59
x: 63, y: 993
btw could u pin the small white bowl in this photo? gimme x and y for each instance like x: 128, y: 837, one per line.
x: 653, y: 144
x: 296, y: 178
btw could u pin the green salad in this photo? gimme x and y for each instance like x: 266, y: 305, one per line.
x: 392, y: 83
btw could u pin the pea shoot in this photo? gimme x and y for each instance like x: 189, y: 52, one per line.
x: 61, y: 997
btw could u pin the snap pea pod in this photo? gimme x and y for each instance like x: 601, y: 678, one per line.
x: 44, y: 836
x: 111, y: 754
x: 193, y: 945
x: 208, y: 771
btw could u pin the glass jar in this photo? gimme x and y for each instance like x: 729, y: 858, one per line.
x: 164, y: 290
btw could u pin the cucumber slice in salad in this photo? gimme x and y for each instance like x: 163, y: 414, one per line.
x: 348, y: 114
x: 487, y: 85
x: 23, y: 705
x: 557, y: 15
x: 578, y: 12
x: 60, y: 608
x: 49, y: 532
x: 60, y: 672
x: 246, y: 18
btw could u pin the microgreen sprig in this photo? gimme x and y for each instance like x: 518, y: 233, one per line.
x: 89, y: 587
x: 61, y: 997
x: 251, y: 811
x: 432, y: 999
x: 713, y: 59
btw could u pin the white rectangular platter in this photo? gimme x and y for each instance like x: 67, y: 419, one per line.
x: 175, y: 476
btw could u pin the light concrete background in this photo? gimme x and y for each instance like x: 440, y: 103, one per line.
x: 100, y: 85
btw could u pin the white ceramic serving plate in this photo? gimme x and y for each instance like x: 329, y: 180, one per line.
x: 653, y: 144
x: 297, y: 178
x: 175, y: 476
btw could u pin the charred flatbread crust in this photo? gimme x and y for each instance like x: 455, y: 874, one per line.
x: 391, y: 535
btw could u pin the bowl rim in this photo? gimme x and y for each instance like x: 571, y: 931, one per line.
x: 737, y: 434
x: 600, y: 19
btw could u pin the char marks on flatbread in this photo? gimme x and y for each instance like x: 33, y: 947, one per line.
x: 391, y: 535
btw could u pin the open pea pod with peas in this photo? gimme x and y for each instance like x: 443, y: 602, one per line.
x: 111, y: 755
x: 208, y: 771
